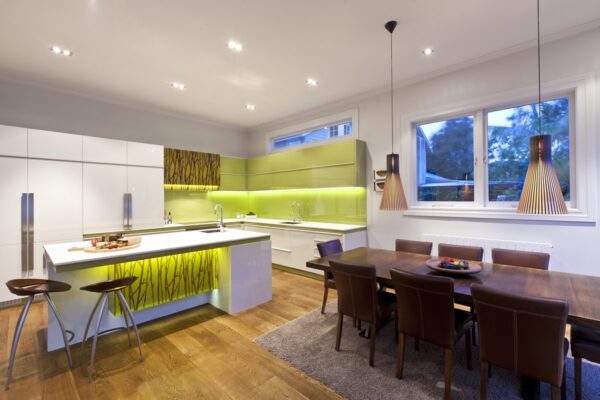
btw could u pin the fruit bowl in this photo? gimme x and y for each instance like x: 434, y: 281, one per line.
x: 454, y: 266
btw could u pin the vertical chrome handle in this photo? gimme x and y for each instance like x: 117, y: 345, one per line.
x: 130, y: 213
x: 30, y: 231
x: 24, y: 234
x: 127, y: 210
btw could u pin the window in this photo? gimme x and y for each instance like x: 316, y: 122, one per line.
x: 338, y: 129
x: 445, y: 160
x: 508, y: 135
x: 447, y: 168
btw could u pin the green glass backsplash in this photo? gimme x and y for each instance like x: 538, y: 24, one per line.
x: 342, y: 205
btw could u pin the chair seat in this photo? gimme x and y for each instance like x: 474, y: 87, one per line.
x: 32, y: 286
x: 110, y: 286
x: 585, y: 343
x: 463, y: 321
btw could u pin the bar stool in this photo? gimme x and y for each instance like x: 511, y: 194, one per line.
x: 105, y: 288
x: 30, y: 287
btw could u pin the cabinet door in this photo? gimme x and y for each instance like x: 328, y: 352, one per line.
x: 304, y: 247
x: 13, y: 141
x: 147, y: 192
x: 281, y: 245
x: 11, y: 268
x: 150, y: 155
x: 103, y: 189
x: 102, y: 150
x: 57, y: 191
x: 13, y: 183
x: 54, y: 145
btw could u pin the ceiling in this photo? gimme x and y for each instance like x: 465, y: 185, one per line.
x: 129, y: 51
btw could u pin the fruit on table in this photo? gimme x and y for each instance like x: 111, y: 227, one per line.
x: 453, y: 263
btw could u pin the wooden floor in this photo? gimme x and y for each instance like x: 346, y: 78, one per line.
x: 199, y: 354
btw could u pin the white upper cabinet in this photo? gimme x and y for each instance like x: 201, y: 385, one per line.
x: 13, y: 141
x: 54, y: 145
x: 149, y: 155
x: 100, y: 150
x: 147, y: 196
x: 104, y: 187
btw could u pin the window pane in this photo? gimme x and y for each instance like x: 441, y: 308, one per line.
x: 508, y: 146
x: 339, y: 129
x: 445, y: 160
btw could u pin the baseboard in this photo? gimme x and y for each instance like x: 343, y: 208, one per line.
x: 298, y: 272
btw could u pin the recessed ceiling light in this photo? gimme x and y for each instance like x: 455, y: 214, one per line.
x: 178, y: 85
x: 250, y: 107
x: 428, y: 51
x: 312, y: 82
x: 235, y: 46
x: 60, y: 51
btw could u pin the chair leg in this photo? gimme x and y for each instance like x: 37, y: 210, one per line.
x: 555, y: 393
x: 400, y: 360
x: 373, y: 334
x: 447, y: 373
x: 338, y: 336
x: 325, y: 292
x: 87, y: 326
x: 474, y: 328
x: 483, y: 378
x: 469, y: 350
x: 563, y: 387
x: 93, y: 355
x: 577, y: 363
x: 62, y: 328
x: 16, y: 337
x: 126, y: 318
x: 135, y: 328
x: 417, y: 345
x: 396, y: 325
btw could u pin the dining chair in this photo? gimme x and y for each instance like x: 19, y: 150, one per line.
x: 327, y: 249
x: 529, y: 259
x: 359, y: 298
x: 523, y: 334
x: 428, y: 314
x: 414, y: 246
x: 470, y: 253
x: 585, y: 343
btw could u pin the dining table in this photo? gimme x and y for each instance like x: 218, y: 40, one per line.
x: 582, y: 292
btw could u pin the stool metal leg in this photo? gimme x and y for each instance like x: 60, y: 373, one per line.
x: 16, y: 338
x: 62, y: 328
x: 87, y: 327
x: 91, y: 365
x: 137, y: 334
x: 126, y: 317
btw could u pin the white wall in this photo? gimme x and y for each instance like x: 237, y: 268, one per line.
x: 32, y: 106
x: 575, y: 244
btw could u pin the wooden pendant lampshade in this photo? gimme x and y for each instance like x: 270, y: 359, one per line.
x: 393, y: 193
x: 541, y: 192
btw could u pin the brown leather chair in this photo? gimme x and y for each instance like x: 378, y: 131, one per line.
x: 522, y: 334
x: 585, y: 343
x: 414, y: 246
x: 519, y: 258
x: 327, y: 249
x: 359, y: 298
x: 426, y: 312
x: 461, y: 252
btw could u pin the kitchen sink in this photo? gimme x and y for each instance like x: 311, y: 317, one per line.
x: 291, y: 222
x: 212, y: 230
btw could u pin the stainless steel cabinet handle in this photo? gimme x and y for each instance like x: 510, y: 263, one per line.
x: 127, y: 210
x: 31, y: 230
x: 24, y: 234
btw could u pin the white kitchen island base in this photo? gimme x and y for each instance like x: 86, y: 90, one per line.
x: 243, y: 280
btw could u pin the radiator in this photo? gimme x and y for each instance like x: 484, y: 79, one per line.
x: 487, y: 244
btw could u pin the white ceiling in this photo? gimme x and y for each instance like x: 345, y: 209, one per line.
x: 129, y: 50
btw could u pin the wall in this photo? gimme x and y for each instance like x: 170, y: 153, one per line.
x: 33, y: 106
x: 574, y: 243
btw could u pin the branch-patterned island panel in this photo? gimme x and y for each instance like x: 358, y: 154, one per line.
x: 168, y: 278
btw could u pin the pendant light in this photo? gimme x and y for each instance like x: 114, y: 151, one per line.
x: 393, y: 194
x: 541, y: 192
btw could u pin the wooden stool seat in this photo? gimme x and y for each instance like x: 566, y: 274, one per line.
x: 28, y: 287
x: 110, y: 286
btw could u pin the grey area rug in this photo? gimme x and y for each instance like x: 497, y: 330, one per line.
x: 308, y: 342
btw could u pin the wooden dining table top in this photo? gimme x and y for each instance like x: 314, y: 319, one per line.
x: 582, y: 292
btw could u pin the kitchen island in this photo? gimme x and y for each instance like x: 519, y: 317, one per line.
x: 177, y: 270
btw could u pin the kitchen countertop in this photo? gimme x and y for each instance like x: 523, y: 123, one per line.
x: 304, y: 225
x: 61, y: 259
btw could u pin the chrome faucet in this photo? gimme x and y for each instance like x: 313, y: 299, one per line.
x: 295, y: 211
x: 220, y: 217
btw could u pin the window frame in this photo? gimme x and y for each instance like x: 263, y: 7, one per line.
x: 582, y: 165
x: 338, y: 118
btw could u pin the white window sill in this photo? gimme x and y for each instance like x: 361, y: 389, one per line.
x: 574, y: 215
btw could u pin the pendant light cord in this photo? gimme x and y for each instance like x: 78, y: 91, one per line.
x: 539, y: 59
x: 392, y: 84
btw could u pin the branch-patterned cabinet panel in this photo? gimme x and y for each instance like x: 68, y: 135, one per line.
x: 192, y: 170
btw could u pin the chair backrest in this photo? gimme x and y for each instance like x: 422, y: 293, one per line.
x: 425, y: 307
x: 519, y: 258
x: 413, y: 246
x: 461, y: 252
x: 523, y: 334
x: 356, y: 290
x: 330, y: 247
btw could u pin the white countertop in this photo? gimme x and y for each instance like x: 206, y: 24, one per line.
x: 152, y: 245
x: 326, y: 226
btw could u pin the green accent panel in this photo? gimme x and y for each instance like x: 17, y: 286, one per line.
x: 342, y: 205
x: 168, y: 278
x: 234, y: 173
x: 186, y: 207
x: 233, y: 182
